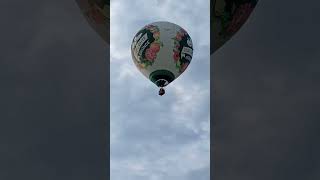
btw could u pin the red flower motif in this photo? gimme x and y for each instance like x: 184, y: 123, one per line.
x: 150, y: 54
x: 176, y: 56
x: 155, y: 47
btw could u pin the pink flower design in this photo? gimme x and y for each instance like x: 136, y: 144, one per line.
x: 155, y: 47
x: 150, y: 54
x: 176, y: 56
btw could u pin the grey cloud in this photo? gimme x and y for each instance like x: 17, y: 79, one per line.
x: 199, y: 174
x: 151, y: 131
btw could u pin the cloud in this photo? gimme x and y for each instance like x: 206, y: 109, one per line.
x: 156, y: 137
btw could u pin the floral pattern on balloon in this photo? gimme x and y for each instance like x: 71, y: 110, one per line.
x: 149, y: 47
x: 182, y: 51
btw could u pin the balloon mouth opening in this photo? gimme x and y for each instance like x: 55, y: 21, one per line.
x: 161, y: 77
x: 161, y: 82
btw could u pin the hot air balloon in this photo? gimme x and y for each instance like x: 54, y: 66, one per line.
x: 227, y: 17
x: 98, y: 16
x: 162, y: 51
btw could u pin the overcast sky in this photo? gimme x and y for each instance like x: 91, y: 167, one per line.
x: 153, y: 137
x: 54, y: 98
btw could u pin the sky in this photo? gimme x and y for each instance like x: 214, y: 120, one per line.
x: 54, y: 95
x: 153, y: 137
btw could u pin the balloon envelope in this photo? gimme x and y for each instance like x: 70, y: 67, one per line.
x: 98, y: 16
x: 162, y: 51
x: 227, y: 17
